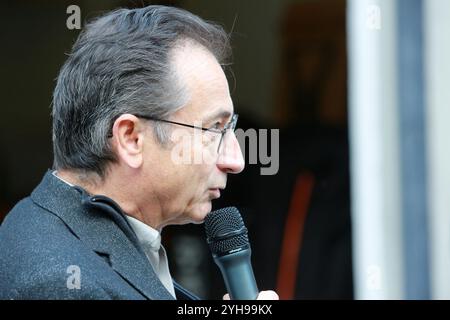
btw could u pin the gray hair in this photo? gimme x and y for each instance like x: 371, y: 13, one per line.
x: 120, y: 64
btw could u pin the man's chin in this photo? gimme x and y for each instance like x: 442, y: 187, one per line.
x: 200, y: 213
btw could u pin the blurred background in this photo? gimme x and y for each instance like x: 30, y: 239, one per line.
x: 359, y: 208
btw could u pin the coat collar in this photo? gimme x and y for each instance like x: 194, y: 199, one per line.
x: 100, y: 223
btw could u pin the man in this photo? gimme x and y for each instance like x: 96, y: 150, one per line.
x: 136, y: 84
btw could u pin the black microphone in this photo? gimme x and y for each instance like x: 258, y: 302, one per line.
x: 227, y: 237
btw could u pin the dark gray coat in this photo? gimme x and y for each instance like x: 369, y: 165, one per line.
x: 46, y: 237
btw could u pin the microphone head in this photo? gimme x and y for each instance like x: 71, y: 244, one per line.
x: 226, y: 232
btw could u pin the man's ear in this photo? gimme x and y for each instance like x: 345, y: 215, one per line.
x: 128, y: 140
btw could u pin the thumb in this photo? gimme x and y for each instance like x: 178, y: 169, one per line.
x: 268, y: 295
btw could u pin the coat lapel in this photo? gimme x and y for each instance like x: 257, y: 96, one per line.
x: 102, y: 228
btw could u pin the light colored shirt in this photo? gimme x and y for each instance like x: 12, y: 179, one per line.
x: 150, y: 240
x: 66, y: 182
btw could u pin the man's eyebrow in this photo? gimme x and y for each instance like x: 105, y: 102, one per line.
x: 218, y: 115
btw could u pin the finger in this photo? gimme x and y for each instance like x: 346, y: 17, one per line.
x: 268, y: 295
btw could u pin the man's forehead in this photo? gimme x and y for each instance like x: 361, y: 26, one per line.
x: 222, y: 113
x: 188, y: 54
x: 193, y: 62
x: 205, y: 113
x: 205, y: 81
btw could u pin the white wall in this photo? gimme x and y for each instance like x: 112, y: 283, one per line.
x: 374, y: 150
x: 437, y: 61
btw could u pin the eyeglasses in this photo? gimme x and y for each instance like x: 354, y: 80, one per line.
x: 231, y: 125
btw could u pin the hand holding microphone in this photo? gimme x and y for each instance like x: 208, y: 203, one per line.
x: 263, y: 295
x: 228, y: 241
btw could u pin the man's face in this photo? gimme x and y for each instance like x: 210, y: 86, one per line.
x: 191, y: 169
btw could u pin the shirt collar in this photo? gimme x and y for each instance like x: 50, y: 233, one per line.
x: 147, y: 236
x: 55, y: 173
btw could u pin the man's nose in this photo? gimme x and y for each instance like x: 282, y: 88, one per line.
x: 230, y: 158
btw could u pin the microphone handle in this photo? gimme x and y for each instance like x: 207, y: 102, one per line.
x: 238, y: 275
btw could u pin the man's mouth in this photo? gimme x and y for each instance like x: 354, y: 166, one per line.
x: 214, y: 192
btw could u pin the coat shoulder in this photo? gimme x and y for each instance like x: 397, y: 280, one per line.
x: 41, y: 258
